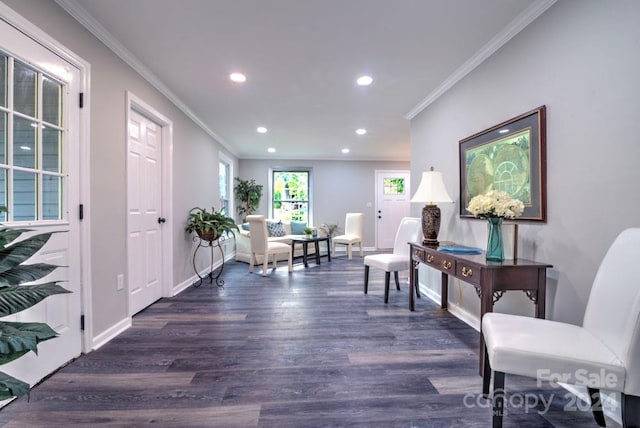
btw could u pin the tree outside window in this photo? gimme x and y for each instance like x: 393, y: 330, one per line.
x: 290, y: 195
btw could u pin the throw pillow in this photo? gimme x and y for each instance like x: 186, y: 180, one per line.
x: 246, y: 226
x: 297, y: 227
x: 276, y: 229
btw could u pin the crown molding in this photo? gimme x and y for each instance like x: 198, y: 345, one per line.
x: 87, y: 21
x: 518, y: 24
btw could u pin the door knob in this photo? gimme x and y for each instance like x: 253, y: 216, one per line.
x: 161, y: 220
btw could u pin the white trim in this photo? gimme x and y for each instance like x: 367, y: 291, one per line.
x: 222, y: 157
x: 111, y: 333
x: 378, y: 192
x: 137, y: 104
x: 518, y: 24
x: 86, y: 20
x: 179, y: 288
x: 22, y: 24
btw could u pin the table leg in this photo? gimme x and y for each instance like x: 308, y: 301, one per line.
x: 541, y: 294
x: 304, y: 253
x: 329, y: 249
x: 316, y: 245
x: 413, y: 280
x: 444, y: 291
x: 486, y: 305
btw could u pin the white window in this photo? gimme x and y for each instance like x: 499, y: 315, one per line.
x: 31, y: 143
x: 291, y: 195
x: 225, y: 174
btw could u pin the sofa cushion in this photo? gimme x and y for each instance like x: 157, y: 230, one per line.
x: 245, y: 226
x: 297, y: 227
x: 276, y: 228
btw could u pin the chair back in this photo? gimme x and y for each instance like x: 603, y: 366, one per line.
x: 258, y: 233
x: 408, y: 231
x: 354, y: 224
x: 613, y: 310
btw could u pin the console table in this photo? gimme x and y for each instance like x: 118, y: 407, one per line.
x: 490, y: 279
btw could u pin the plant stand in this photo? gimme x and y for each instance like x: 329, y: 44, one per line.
x: 211, y: 245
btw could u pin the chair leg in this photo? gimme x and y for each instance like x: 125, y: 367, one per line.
x: 265, y: 265
x: 252, y: 260
x: 395, y: 276
x: 596, y: 406
x: 349, y: 251
x: 361, y: 249
x: 290, y: 262
x: 498, y: 399
x: 486, y: 376
x: 387, y: 276
x: 366, y: 279
x: 630, y: 411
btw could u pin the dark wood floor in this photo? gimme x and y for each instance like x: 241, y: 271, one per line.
x: 306, y: 349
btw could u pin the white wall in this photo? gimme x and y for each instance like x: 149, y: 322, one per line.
x: 580, y: 59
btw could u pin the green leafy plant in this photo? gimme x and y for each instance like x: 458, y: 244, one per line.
x: 210, y: 225
x: 18, y: 338
x: 248, y: 194
x: 308, y: 230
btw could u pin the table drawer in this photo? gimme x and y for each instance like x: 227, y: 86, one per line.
x: 440, y: 261
x: 468, y: 272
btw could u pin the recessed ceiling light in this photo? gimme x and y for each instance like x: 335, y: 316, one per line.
x: 361, y: 131
x: 364, y: 80
x: 345, y: 151
x: 271, y: 150
x: 238, y: 77
x: 27, y: 148
x: 503, y: 131
x: 261, y: 129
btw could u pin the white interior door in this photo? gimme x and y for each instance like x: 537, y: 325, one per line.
x: 392, y: 204
x: 144, y: 204
x: 40, y: 185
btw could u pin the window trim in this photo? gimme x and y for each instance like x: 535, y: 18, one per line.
x: 222, y: 157
x: 308, y: 170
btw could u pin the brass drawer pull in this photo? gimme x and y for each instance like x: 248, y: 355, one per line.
x: 446, y: 264
x: 429, y: 258
x: 467, y: 272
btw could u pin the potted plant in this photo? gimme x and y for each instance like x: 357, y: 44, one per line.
x: 18, y: 338
x: 210, y: 225
x: 248, y: 194
x: 308, y: 231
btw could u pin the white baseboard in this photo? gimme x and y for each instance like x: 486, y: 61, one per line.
x: 110, y: 333
x: 179, y: 288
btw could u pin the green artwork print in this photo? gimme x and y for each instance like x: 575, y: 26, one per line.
x: 502, y: 164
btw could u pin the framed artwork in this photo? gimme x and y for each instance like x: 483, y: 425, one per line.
x: 511, y: 157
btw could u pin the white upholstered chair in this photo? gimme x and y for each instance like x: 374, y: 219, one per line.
x: 260, y: 244
x: 353, y: 232
x: 603, y: 353
x: 409, y: 231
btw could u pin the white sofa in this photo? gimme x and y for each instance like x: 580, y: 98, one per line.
x: 243, y: 244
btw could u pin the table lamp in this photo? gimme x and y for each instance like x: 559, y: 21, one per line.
x: 431, y: 191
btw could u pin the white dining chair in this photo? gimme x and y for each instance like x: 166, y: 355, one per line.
x: 260, y: 244
x: 353, y: 232
x: 602, y: 353
x: 408, y: 231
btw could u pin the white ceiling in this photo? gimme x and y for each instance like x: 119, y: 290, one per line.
x: 301, y: 58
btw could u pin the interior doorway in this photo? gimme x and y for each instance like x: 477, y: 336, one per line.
x: 149, y: 244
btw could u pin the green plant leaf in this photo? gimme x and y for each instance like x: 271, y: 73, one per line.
x: 9, y: 235
x: 15, y: 298
x: 18, y: 252
x: 12, y: 387
x: 25, y: 273
x: 22, y: 337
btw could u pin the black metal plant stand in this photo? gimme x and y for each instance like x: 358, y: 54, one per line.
x: 202, y: 243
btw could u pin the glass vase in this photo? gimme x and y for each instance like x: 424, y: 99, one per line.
x: 495, y: 248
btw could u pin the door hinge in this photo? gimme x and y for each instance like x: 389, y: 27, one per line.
x: 81, y: 99
x: 81, y: 212
x: 82, y: 322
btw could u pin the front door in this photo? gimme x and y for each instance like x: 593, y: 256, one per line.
x: 40, y: 184
x: 144, y: 204
x: 392, y: 204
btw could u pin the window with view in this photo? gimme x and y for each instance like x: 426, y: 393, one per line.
x: 31, y: 143
x: 290, y: 195
x: 225, y: 185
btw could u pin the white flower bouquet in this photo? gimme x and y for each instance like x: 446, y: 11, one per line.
x: 495, y: 203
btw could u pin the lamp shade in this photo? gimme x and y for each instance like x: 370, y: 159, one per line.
x: 431, y: 189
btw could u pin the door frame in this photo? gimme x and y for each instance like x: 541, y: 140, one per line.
x: 84, y: 225
x: 134, y: 103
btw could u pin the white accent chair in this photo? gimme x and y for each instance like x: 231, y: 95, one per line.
x: 353, y: 232
x: 603, y: 353
x: 409, y: 231
x: 260, y: 244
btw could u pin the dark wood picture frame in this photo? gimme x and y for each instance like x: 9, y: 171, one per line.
x: 510, y: 156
